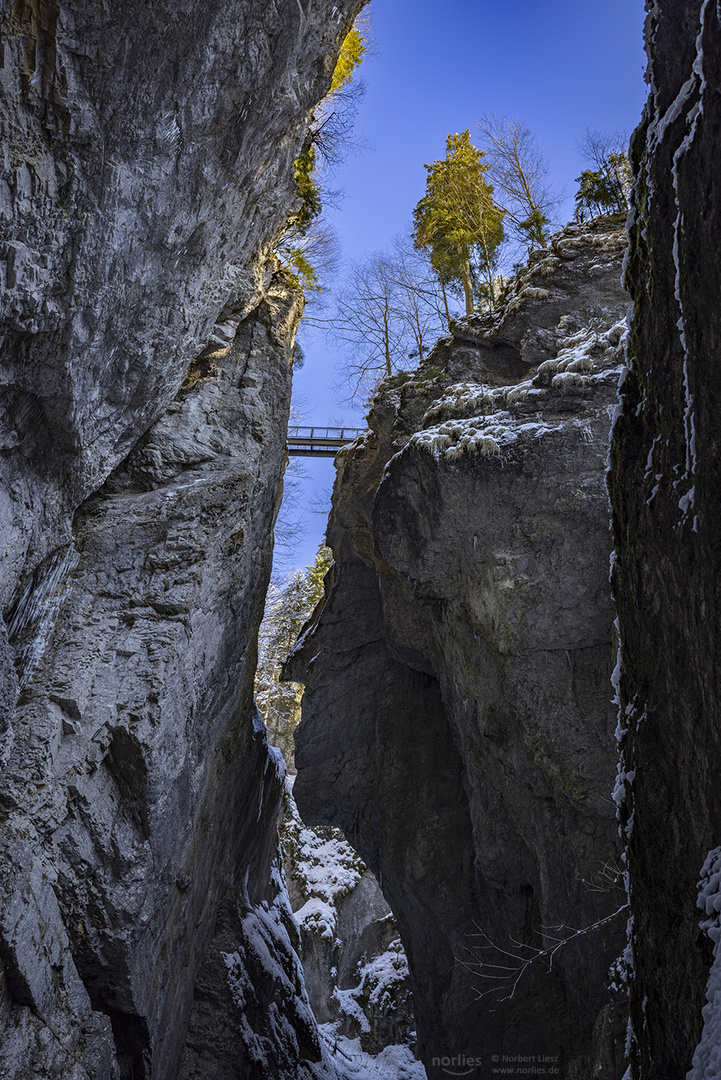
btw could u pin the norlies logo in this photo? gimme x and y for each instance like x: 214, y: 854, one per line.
x: 463, y: 1065
x: 458, y: 1065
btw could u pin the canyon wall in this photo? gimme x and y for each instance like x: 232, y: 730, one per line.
x: 145, y: 372
x: 458, y: 723
x: 458, y: 717
x: 667, y: 507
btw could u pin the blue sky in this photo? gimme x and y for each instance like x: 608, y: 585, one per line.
x: 559, y: 65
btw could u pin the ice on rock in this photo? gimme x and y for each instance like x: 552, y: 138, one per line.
x: 707, y: 1057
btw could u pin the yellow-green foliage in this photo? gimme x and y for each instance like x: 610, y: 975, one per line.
x: 291, y: 252
x: 301, y: 270
x: 307, y: 188
x: 457, y: 215
x: 350, y: 56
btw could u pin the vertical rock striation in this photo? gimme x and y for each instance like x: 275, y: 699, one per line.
x: 457, y: 720
x: 667, y: 507
x: 144, y: 393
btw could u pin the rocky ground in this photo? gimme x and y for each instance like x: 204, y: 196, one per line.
x: 354, y: 966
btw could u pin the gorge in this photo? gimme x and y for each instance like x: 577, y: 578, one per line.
x: 457, y: 713
x: 471, y: 676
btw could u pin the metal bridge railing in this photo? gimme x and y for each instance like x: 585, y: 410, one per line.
x: 320, y: 441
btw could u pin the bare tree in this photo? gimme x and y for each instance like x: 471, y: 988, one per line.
x: 312, y: 257
x: 308, y: 247
x: 518, y: 170
x: 424, y: 307
x: 332, y: 128
x: 504, y: 968
x: 290, y: 528
x: 387, y: 316
x: 596, y: 146
x: 367, y: 315
x: 368, y: 327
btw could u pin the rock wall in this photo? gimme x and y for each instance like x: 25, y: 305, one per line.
x: 457, y: 720
x: 148, y: 155
x: 666, y: 502
x: 145, y: 379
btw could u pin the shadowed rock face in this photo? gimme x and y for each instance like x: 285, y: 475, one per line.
x: 666, y: 500
x: 457, y: 720
x: 145, y: 371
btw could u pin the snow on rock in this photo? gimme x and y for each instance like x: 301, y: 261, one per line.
x: 383, y: 974
x: 355, y: 968
x: 707, y: 1058
x: 481, y: 435
x: 352, y: 1063
x: 378, y: 1007
x: 473, y: 419
x: 325, y: 868
x: 318, y: 916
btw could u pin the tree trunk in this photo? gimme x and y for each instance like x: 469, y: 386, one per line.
x: 445, y: 300
x: 467, y: 285
x: 387, y: 342
x: 489, y: 273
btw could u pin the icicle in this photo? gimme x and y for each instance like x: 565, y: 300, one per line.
x: 34, y: 616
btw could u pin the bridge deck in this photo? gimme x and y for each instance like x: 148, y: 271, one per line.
x: 320, y: 441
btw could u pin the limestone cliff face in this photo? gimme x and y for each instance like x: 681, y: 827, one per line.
x: 666, y: 500
x: 145, y: 382
x: 457, y: 721
x: 148, y: 154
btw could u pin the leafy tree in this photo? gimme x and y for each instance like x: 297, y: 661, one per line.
x: 593, y: 193
x: 310, y: 258
x: 288, y: 606
x: 304, y: 245
x: 308, y: 189
x: 457, y: 221
x: 351, y: 54
x: 519, y: 171
x: 333, y: 121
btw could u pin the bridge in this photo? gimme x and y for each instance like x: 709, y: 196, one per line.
x: 320, y: 441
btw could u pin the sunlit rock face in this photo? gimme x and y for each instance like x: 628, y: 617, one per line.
x: 666, y: 499
x: 146, y: 344
x: 148, y: 154
x: 458, y: 719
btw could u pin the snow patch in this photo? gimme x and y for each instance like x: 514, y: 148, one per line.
x: 486, y: 436
x: 707, y: 1056
x: 393, y: 1063
x: 328, y: 867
